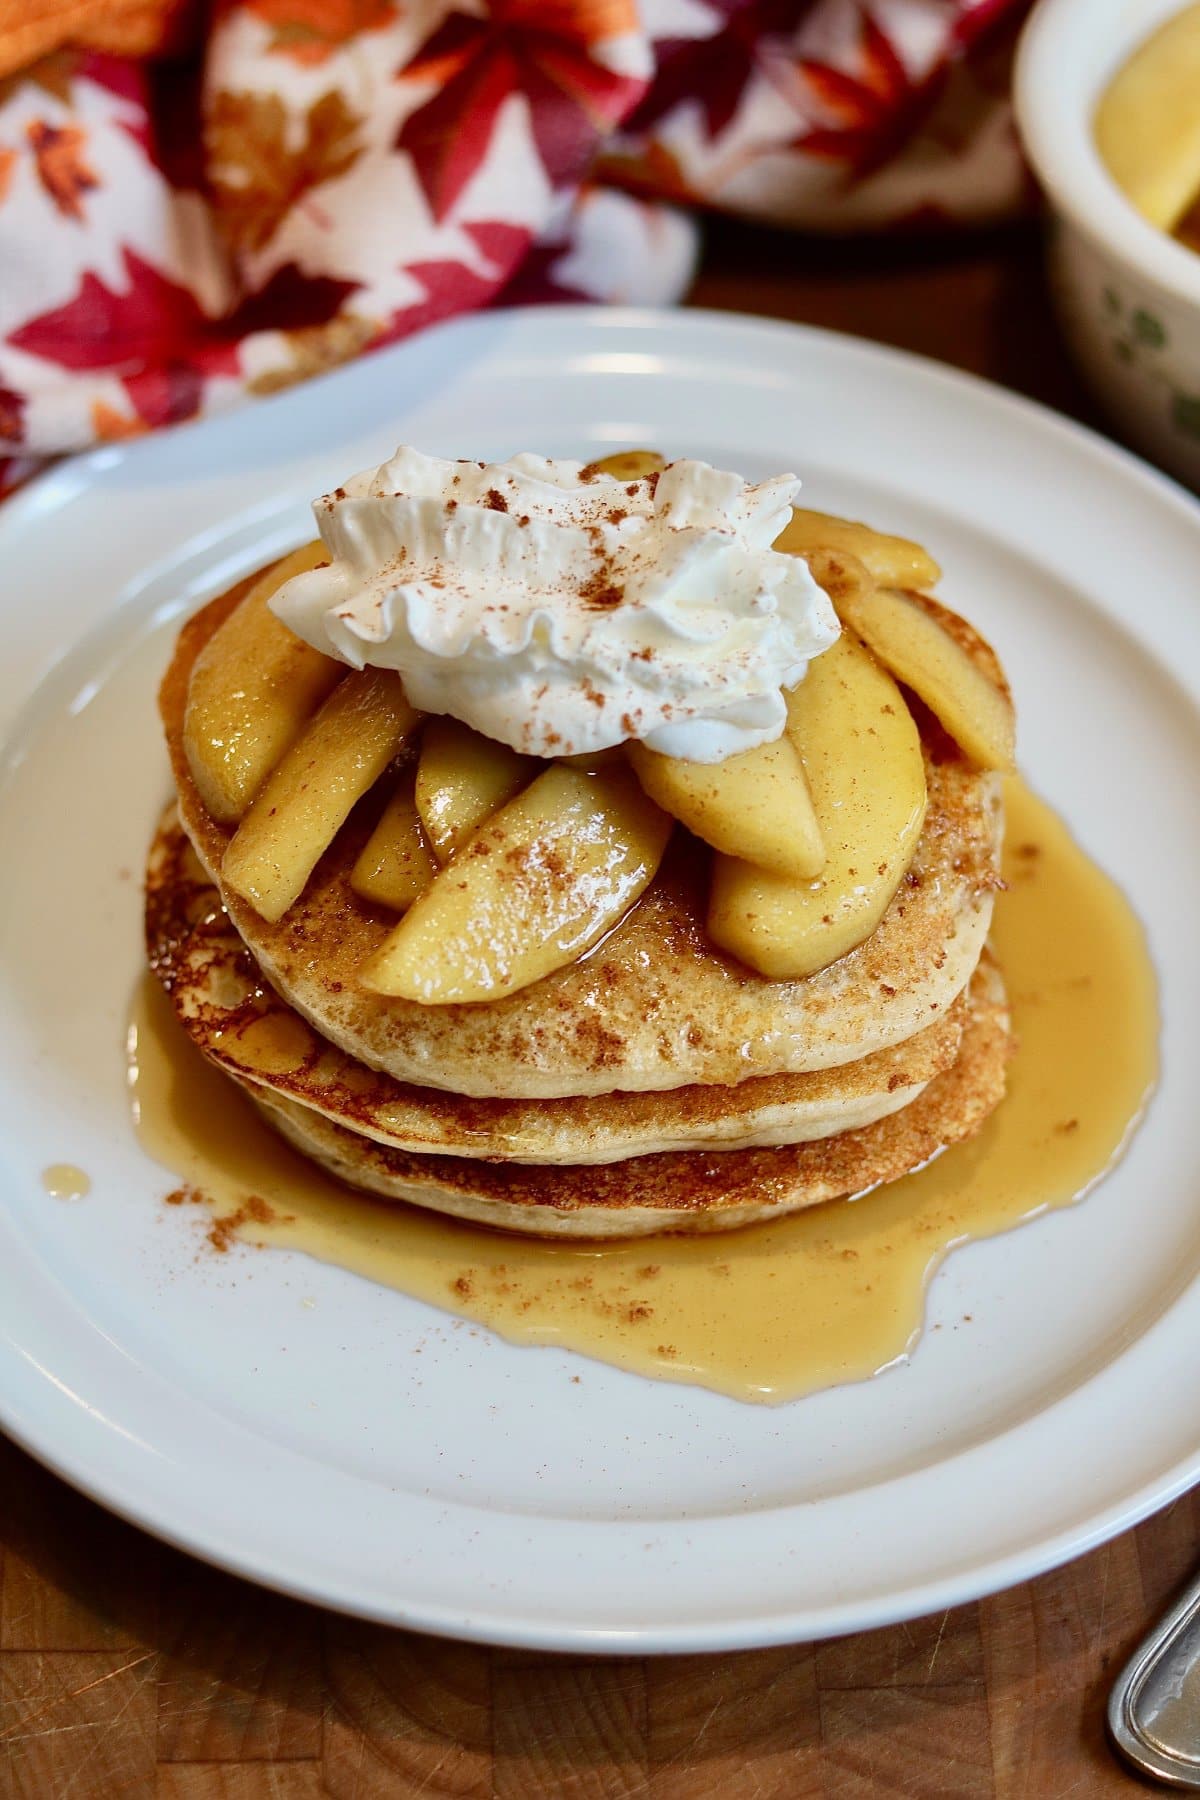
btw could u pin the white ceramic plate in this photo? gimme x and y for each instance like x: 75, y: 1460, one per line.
x: 475, y: 1489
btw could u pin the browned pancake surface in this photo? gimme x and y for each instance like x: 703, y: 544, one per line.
x: 243, y: 1026
x: 691, y: 1191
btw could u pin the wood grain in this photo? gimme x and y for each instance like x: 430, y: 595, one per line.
x: 130, y: 1672
x: 200, y: 1687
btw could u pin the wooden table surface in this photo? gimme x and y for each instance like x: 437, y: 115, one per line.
x: 129, y: 1671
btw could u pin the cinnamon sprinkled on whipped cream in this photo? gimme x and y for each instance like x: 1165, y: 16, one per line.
x: 560, y: 610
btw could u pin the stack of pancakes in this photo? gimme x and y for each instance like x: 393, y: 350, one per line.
x: 656, y: 1084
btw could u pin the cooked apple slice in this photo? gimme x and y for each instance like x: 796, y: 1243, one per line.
x: 919, y: 651
x: 253, y: 689
x: 755, y: 805
x: 630, y: 465
x: 893, y: 560
x: 462, y: 777
x: 341, y: 754
x: 536, y: 886
x: 862, y: 756
x: 396, y: 863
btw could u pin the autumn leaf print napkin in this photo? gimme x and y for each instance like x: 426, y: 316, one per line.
x: 195, y: 209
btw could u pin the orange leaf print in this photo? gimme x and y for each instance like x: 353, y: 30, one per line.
x: 582, y: 22
x: 62, y: 171
x: 8, y: 162
x: 652, y: 170
x: 258, y: 175
x: 53, y: 74
x: 110, y: 426
x: 310, y: 30
x: 315, y: 348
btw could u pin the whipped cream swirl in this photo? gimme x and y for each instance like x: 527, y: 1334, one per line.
x: 560, y: 610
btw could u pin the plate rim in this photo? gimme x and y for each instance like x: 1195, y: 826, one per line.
x: 41, y: 499
x: 72, y: 471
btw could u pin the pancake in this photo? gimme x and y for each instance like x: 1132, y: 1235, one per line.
x: 244, y: 1027
x: 655, y: 1006
x: 689, y: 1192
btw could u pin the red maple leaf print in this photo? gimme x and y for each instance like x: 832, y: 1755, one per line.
x: 871, y: 111
x: 289, y: 301
x: 151, y: 321
x: 715, y: 70
x: 167, y: 392
x: 573, y: 100
x: 978, y: 17
x: 536, y: 282
x: 451, y: 287
x: 62, y: 170
x: 14, y: 470
x: 12, y: 416
x: 503, y: 244
x: 124, y: 76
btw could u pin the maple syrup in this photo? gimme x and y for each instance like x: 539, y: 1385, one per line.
x: 63, y: 1181
x: 773, y: 1311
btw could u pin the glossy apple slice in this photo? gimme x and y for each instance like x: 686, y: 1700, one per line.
x: 755, y: 805
x: 462, y: 777
x: 630, y: 465
x: 896, y: 561
x: 396, y: 863
x: 530, y: 891
x: 862, y: 756
x: 339, y: 757
x: 921, y: 652
x: 252, y: 691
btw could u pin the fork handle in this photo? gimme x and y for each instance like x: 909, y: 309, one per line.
x: 1154, y: 1707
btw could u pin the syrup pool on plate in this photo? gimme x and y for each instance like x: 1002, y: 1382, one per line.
x: 771, y: 1312
x: 63, y: 1181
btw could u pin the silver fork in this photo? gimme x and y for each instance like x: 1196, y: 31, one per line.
x: 1154, y: 1707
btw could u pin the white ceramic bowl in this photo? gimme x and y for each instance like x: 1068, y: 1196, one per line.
x: 1128, y: 296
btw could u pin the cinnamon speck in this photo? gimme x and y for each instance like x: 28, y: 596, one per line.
x: 600, y: 590
x: 254, y: 1210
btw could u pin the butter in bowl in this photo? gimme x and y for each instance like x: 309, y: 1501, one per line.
x: 1108, y: 103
